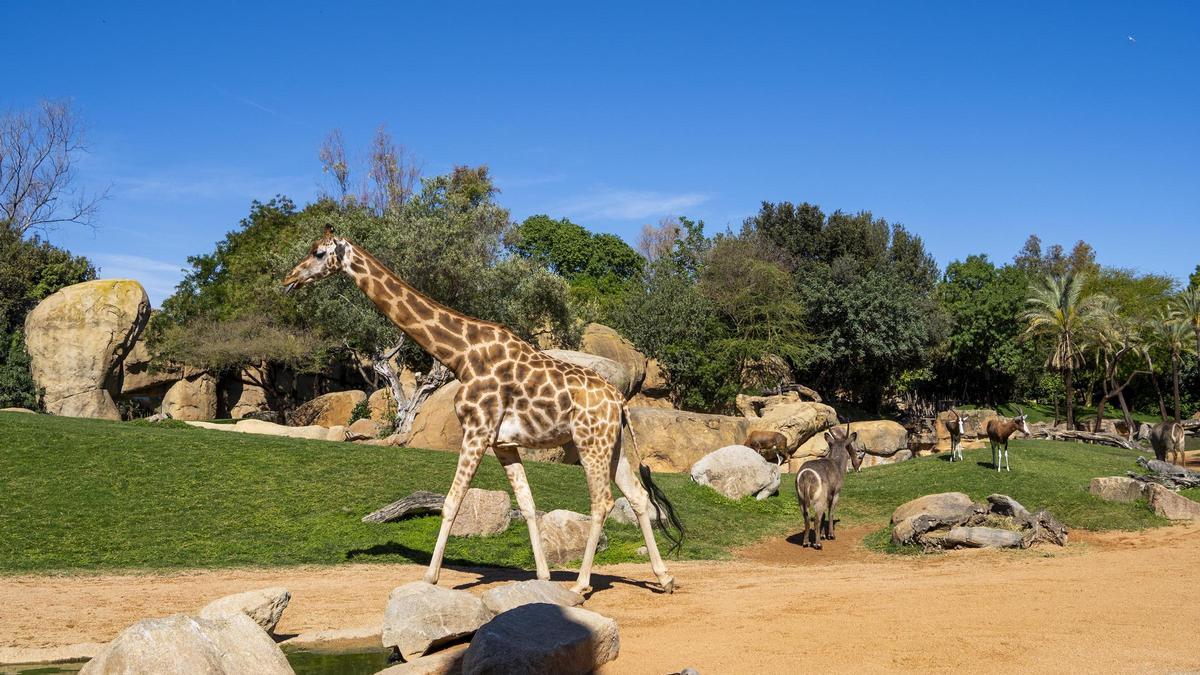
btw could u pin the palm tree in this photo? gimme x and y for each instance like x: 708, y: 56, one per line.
x: 1112, y: 336
x: 1176, y: 336
x: 1187, y: 311
x: 1059, y: 310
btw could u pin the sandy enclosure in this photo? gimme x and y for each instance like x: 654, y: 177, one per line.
x: 1110, y: 602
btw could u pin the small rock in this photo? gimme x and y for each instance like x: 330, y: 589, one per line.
x: 564, y: 536
x: 503, y: 598
x: 643, y: 551
x: 264, y: 606
x: 483, y: 513
x: 184, y: 645
x: 364, y: 430
x: 421, y: 616
x: 1117, y: 489
x: 1171, y: 505
x: 541, y: 638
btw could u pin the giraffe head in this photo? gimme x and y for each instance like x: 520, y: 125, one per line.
x: 324, y: 258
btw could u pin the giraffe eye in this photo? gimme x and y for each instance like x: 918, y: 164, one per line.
x: 319, y: 254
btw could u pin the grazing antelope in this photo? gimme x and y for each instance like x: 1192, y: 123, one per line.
x: 998, y: 431
x: 1167, y: 437
x: 955, y: 427
x: 819, y: 484
x: 768, y: 440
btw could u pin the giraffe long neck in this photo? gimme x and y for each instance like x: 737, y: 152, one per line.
x: 437, y: 328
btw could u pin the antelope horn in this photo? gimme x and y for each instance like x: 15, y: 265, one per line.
x: 1021, y: 410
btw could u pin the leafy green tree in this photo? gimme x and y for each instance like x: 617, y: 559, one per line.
x: 1194, y: 280
x: 982, y: 358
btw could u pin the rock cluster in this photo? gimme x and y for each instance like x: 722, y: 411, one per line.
x: 952, y: 520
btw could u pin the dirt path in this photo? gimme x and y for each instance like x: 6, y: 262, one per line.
x: 1109, y: 603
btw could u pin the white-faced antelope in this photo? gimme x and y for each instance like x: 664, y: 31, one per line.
x: 955, y: 427
x: 1167, y: 437
x: 998, y: 431
x: 819, y: 484
x: 772, y: 441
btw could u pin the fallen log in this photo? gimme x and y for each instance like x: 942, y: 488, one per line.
x: 1099, y: 438
x: 1166, y: 474
x: 419, y: 503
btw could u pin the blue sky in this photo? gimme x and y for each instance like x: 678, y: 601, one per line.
x: 973, y: 123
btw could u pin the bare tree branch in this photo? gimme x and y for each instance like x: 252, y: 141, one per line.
x: 38, y: 152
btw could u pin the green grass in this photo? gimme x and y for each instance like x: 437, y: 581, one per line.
x: 94, y: 495
x: 1045, y: 413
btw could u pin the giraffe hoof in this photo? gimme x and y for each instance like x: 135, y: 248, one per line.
x: 581, y: 591
x: 431, y: 579
x: 668, y: 585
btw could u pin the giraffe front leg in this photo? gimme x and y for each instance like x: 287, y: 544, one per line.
x: 600, y: 491
x: 511, y: 460
x: 468, y: 462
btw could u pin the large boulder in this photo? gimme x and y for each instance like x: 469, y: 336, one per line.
x: 543, y: 638
x: 564, y: 536
x: 797, y: 420
x: 327, y: 410
x: 1172, y: 505
x: 503, y: 598
x: 1117, y: 489
x: 264, y: 606
x: 655, y: 384
x: 182, y: 645
x: 436, y: 425
x: 421, y: 616
x: 139, y: 376
x: 603, y: 341
x: 77, y: 339
x: 482, y: 513
x: 243, y: 395
x: 192, y: 398
x: 674, y: 440
x: 737, y: 471
x: 613, y: 372
x: 884, y: 441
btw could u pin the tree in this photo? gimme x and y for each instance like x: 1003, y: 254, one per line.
x: 1186, y: 310
x: 1113, y: 336
x: 571, y: 251
x: 1194, y: 280
x: 1176, y: 336
x: 1058, y: 310
x: 982, y: 357
x: 39, y: 150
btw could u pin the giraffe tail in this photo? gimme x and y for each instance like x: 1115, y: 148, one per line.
x: 670, y: 526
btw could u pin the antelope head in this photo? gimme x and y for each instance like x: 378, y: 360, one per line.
x: 1021, y: 422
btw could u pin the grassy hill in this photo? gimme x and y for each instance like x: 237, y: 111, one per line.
x: 93, y: 495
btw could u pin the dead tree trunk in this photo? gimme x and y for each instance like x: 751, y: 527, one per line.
x: 407, y: 409
x: 419, y: 503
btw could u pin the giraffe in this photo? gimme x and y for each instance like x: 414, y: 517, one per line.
x: 511, y: 394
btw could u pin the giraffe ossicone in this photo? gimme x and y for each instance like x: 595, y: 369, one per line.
x: 512, y: 394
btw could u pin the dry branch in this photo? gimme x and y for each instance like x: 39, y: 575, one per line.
x: 420, y: 503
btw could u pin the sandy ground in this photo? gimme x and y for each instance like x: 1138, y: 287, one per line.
x: 1110, y: 602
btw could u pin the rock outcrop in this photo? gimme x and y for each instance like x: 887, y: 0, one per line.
x: 564, y: 536
x: 264, y: 606
x: 77, y: 340
x: 674, y: 440
x: 436, y: 425
x: 787, y: 414
x: 138, y: 376
x: 327, y: 410
x: 483, y: 513
x: 194, y: 398
x: 509, y: 596
x: 737, y: 471
x: 884, y: 441
x: 184, y: 645
x: 1171, y: 505
x: 421, y: 616
x: 603, y: 341
x: 1117, y: 489
x: 543, y: 638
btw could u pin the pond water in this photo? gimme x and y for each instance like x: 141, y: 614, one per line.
x: 304, y: 662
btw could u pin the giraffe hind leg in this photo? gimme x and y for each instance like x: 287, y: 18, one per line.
x: 639, y: 499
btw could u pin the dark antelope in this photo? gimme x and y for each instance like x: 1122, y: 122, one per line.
x: 1167, y: 437
x: 998, y: 431
x: 772, y: 441
x: 819, y: 484
x: 955, y: 427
